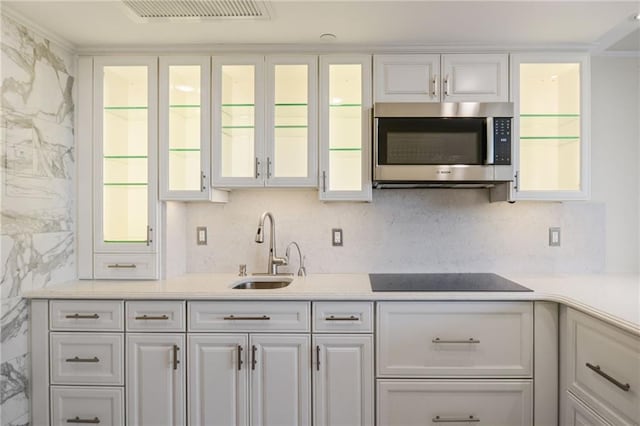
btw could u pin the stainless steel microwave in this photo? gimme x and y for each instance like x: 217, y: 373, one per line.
x: 463, y: 144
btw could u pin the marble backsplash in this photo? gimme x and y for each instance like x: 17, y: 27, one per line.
x: 37, y: 187
x: 421, y: 230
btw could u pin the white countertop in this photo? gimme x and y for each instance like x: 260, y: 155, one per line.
x: 613, y: 298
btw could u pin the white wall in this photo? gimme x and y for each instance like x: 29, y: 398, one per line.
x: 616, y: 156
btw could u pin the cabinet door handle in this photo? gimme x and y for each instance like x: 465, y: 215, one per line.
x: 435, y: 86
x: 253, y: 357
x: 77, y: 419
x: 268, y: 168
x: 80, y: 316
x: 470, y: 419
x: 257, y: 166
x: 596, y: 368
x: 149, y: 230
x: 324, y: 181
x: 148, y: 317
x: 317, y: 357
x: 469, y: 340
x: 203, y: 185
x: 446, y: 85
x: 123, y: 265
x: 235, y: 318
x: 176, y: 361
x: 334, y: 318
x: 516, y: 184
x: 239, y: 357
x: 78, y: 359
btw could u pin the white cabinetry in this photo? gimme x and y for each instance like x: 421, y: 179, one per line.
x: 551, y: 100
x: 343, y: 363
x: 256, y: 379
x: 441, y: 78
x: 87, y: 405
x: 254, y: 150
x: 345, y: 128
x: 600, y: 367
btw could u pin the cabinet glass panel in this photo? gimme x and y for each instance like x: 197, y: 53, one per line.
x: 125, y: 156
x: 184, y: 127
x: 291, y: 121
x: 238, y: 121
x: 345, y: 127
x: 550, y: 127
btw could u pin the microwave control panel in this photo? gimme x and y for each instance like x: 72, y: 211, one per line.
x: 502, y: 141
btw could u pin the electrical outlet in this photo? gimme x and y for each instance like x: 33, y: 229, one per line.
x: 201, y: 235
x: 336, y: 237
x: 554, y: 237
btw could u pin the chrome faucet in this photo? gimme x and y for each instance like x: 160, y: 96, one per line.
x: 302, y: 271
x: 274, y: 260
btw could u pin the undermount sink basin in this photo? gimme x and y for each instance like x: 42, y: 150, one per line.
x: 262, y: 283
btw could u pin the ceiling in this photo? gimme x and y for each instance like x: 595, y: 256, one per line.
x: 89, y: 24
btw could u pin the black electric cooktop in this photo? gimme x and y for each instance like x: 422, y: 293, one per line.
x: 443, y: 282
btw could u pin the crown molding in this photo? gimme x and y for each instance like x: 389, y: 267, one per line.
x: 9, y: 12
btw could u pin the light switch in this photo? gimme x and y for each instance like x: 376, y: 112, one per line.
x: 201, y: 238
x: 554, y: 237
x: 336, y: 237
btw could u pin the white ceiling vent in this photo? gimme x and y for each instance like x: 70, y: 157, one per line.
x: 178, y: 10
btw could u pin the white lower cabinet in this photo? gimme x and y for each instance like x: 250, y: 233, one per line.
x: 87, y: 405
x: 155, y: 379
x: 578, y: 414
x: 486, y: 402
x: 343, y: 380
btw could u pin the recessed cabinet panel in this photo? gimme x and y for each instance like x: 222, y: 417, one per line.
x: 406, y: 78
x: 86, y: 405
x: 475, y: 77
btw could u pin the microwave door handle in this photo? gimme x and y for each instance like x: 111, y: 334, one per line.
x: 375, y: 143
x: 490, y: 154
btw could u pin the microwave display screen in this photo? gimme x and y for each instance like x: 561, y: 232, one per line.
x: 431, y: 141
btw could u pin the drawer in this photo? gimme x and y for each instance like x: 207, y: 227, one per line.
x: 578, y: 414
x: 87, y: 359
x: 603, y: 368
x: 79, y: 315
x: 484, y: 402
x: 129, y: 266
x: 348, y: 317
x: 86, y: 405
x: 156, y: 316
x: 455, y: 339
x: 249, y: 316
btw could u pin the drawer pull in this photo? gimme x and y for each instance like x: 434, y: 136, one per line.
x: 147, y: 317
x: 235, y: 318
x: 77, y: 359
x: 77, y: 419
x: 624, y: 386
x: 176, y: 361
x: 239, y: 357
x: 334, y: 318
x: 253, y: 357
x: 470, y: 419
x: 79, y: 316
x: 121, y: 266
x: 469, y: 340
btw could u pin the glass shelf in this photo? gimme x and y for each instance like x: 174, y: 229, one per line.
x: 345, y: 149
x: 549, y: 137
x: 184, y: 149
x: 548, y: 115
x: 125, y: 184
x: 124, y: 157
x: 125, y: 107
x: 184, y: 106
x: 345, y: 105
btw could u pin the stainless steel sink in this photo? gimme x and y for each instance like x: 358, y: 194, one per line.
x: 262, y: 284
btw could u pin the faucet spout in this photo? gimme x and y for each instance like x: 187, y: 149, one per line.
x: 274, y: 260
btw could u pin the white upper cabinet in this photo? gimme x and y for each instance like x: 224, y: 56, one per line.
x: 550, y: 93
x: 185, y: 132
x: 441, y: 78
x: 345, y: 128
x: 406, y: 78
x: 254, y: 149
x: 475, y: 77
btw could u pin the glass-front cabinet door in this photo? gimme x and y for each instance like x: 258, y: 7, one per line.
x: 550, y: 95
x: 345, y: 126
x: 125, y: 155
x: 238, y: 121
x: 291, y: 123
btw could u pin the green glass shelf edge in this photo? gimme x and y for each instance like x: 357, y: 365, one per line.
x: 549, y: 137
x: 184, y: 106
x: 291, y: 105
x: 184, y: 149
x: 125, y: 184
x: 125, y: 241
x: 109, y: 108
x: 345, y: 105
x: 115, y: 157
x: 345, y: 149
x: 548, y: 115
x: 237, y: 105
x: 291, y: 127
x: 238, y: 127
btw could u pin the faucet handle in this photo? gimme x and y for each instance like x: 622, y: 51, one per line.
x: 302, y: 271
x: 242, y: 270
